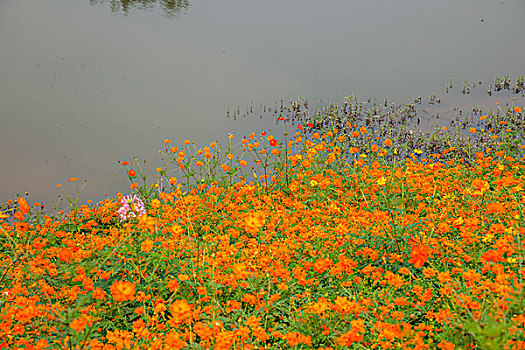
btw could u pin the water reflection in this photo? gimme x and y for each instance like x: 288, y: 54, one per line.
x: 170, y: 8
x: 80, y: 99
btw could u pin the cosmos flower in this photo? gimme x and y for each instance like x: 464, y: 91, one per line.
x: 123, y: 291
x: 419, y: 255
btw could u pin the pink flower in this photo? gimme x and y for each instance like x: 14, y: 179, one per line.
x: 132, y: 207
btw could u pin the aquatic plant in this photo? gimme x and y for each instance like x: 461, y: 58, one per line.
x: 170, y: 8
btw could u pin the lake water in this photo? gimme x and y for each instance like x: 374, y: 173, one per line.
x: 86, y: 83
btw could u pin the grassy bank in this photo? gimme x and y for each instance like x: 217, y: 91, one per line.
x: 341, y: 234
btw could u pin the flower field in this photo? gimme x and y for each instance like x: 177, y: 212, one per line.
x: 328, y: 237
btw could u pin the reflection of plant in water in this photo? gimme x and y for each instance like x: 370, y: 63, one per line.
x: 171, y: 8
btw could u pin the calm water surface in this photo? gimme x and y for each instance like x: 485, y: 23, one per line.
x: 86, y: 83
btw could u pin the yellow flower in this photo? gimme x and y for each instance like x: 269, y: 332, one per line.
x: 458, y: 222
x: 381, y: 181
x: 334, y: 207
x: 313, y: 183
x: 488, y: 238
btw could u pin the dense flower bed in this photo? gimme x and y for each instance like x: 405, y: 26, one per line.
x: 332, y: 247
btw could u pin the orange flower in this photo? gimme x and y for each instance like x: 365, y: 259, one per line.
x: 79, y: 324
x: 253, y: 322
x: 173, y: 340
x: 388, y: 142
x: 202, y: 290
x: 65, y: 254
x: 419, y: 255
x: 183, y: 277
x: 23, y: 206
x: 233, y: 305
x: 322, y: 265
x: 374, y: 148
x: 73, y: 179
x: 295, y: 338
x: 353, y: 335
x: 492, y: 255
x: 446, y: 345
x: 98, y: 294
x: 132, y: 173
x: 497, y: 208
x: 480, y: 185
x: 173, y: 285
x: 105, y: 275
x: 123, y: 291
x: 180, y: 310
x: 517, y: 109
x: 319, y: 306
x: 253, y: 223
x: 159, y: 308
x: 239, y: 270
x: 146, y: 246
x: 472, y: 130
